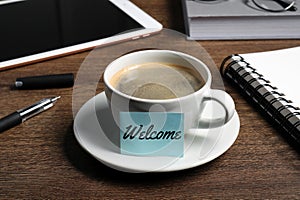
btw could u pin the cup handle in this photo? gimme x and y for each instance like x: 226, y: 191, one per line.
x: 226, y: 101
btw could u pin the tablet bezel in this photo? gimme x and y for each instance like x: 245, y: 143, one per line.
x: 150, y: 25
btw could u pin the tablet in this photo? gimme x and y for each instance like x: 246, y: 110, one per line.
x: 35, y: 30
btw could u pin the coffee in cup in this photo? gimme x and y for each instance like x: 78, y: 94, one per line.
x: 155, y: 80
x: 191, y: 102
x: 156, y: 92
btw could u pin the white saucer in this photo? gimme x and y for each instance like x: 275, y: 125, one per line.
x: 97, y: 133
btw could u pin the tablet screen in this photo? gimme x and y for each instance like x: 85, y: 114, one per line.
x: 35, y: 26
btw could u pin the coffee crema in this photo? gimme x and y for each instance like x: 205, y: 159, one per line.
x: 157, y: 81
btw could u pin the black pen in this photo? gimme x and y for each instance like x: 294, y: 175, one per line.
x: 45, y: 81
x: 22, y: 115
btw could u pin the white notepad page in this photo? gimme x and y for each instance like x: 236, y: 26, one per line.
x: 281, y: 68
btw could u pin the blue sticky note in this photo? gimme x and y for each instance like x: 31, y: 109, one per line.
x: 152, y: 134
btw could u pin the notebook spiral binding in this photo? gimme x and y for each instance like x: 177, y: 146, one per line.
x: 263, y: 94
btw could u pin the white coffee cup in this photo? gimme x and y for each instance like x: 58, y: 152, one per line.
x: 191, y: 105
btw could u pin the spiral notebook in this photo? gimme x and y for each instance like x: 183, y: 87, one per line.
x: 271, y: 81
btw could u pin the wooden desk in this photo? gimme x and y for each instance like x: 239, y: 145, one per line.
x: 41, y: 159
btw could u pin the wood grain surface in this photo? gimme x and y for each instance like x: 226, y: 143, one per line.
x: 41, y: 159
